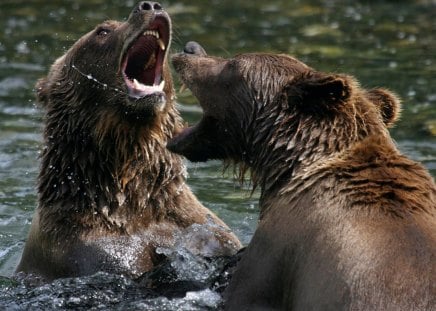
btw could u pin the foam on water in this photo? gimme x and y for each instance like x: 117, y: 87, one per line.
x: 185, y: 281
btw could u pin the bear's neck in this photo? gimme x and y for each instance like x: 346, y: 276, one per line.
x: 126, y: 168
x: 288, y: 144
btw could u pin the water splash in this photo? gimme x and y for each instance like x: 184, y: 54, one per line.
x: 101, y: 291
x: 184, y: 281
x: 103, y: 85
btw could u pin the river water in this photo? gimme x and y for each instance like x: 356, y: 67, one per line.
x: 383, y: 43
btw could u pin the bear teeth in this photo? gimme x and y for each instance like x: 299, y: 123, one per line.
x: 140, y: 90
x: 183, y: 88
x: 155, y: 34
x: 161, y: 44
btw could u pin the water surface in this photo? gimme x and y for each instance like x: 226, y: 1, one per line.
x: 382, y: 43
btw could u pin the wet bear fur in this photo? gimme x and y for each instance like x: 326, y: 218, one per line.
x: 109, y: 192
x: 346, y: 221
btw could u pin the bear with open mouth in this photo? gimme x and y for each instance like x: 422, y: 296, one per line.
x: 110, y: 193
x: 346, y: 221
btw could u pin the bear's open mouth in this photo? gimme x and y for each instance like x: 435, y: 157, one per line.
x: 142, y: 65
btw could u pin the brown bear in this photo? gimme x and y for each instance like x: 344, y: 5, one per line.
x: 346, y: 221
x: 110, y: 192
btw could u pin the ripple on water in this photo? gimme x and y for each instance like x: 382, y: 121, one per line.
x: 10, y: 84
x: 101, y: 291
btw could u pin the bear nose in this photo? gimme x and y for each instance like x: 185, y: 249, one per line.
x: 148, y: 6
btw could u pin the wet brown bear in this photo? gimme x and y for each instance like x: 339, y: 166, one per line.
x: 109, y: 190
x: 347, y: 222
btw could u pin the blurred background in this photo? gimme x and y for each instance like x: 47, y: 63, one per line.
x: 383, y: 43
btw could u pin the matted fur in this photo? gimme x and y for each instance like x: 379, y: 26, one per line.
x: 110, y: 192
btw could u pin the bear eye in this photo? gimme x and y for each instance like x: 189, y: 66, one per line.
x: 102, y: 32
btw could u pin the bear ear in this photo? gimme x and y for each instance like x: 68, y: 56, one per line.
x: 388, y: 103
x: 42, y: 90
x: 318, y: 92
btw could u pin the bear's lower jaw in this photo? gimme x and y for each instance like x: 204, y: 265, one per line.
x: 176, y: 143
x: 145, y: 108
x: 186, y: 143
x: 199, y: 143
x: 138, y: 90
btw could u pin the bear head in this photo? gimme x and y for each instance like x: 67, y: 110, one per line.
x: 117, y: 72
x: 260, y: 109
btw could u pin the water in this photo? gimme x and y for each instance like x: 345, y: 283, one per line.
x: 383, y: 43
